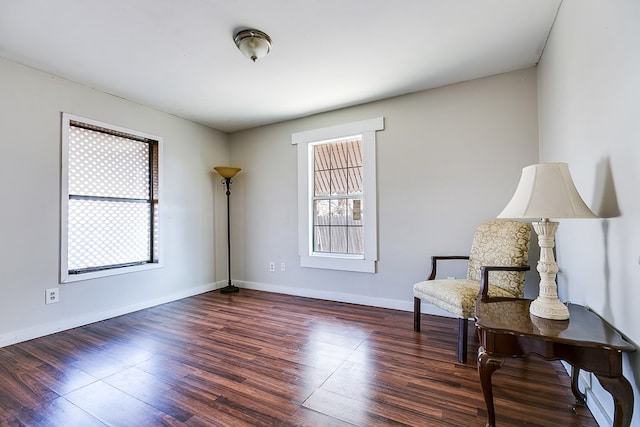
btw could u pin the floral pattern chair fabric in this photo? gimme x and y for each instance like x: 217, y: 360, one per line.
x: 500, y: 243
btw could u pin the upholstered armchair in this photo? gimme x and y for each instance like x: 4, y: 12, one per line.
x: 500, y: 247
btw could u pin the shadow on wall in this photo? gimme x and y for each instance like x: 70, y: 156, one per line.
x: 605, y: 205
x: 605, y: 199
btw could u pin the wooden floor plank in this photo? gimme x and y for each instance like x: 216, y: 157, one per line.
x: 264, y: 359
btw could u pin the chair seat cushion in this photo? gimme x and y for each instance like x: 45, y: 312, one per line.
x: 457, y: 296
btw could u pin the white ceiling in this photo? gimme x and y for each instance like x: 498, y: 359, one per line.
x: 178, y: 56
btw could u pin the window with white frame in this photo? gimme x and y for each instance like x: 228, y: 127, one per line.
x: 109, y: 199
x: 337, y: 208
x: 337, y: 197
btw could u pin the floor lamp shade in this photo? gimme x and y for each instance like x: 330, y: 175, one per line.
x: 547, y: 191
x: 228, y: 172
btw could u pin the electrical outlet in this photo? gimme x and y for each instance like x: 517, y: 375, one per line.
x: 283, y: 266
x: 272, y: 266
x: 52, y: 295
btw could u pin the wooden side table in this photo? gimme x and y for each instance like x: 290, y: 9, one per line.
x: 586, y: 341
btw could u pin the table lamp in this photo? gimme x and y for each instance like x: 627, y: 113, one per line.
x: 546, y: 191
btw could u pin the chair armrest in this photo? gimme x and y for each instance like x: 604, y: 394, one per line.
x: 435, y: 259
x: 483, y: 294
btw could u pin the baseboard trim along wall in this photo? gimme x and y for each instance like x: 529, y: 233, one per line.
x: 342, y: 297
x: 53, y: 327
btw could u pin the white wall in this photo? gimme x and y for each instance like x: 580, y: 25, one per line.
x: 448, y: 159
x: 30, y: 121
x: 589, y: 110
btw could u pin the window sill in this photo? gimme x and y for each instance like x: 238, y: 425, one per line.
x: 105, y: 273
x: 336, y: 263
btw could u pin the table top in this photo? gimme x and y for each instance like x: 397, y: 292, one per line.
x: 584, y: 327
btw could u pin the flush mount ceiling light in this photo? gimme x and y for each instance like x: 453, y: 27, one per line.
x: 254, y: 44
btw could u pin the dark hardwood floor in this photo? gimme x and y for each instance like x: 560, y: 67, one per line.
x: 259, y: 359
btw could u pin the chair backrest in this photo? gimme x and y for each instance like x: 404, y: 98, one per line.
x: 501, y: 243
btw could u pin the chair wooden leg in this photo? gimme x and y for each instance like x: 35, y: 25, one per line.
x: 463, y: 326
x: 416, y: 314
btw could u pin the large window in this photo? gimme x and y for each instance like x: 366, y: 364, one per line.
x: 337, y: 196
x: 110, y: 187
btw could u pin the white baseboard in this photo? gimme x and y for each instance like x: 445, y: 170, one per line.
x: 332, y: 296
x: 74, y: 322
x: 599, y: 412
x: 343, y: 297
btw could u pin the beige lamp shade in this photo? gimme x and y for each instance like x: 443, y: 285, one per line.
x: 546, y: 190
x: 227, y: 171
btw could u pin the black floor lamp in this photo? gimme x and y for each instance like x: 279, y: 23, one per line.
x: 228, y: 172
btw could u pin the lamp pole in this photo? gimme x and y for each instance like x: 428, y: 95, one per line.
x: 229, y: 288
x: 227, y: 173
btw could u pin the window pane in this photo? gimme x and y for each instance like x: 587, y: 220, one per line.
x: 339, y: 212
x: 355, y: 153
x: 103, y: 233
x: 339, y: 240
x: 322, y: 211
x: 321, y: 239
x: 322, y: 157
x: 339, y: 182
x: 338, y: 168
x: 107, y: 165
x: 354, y: 180
x: 322, y: 183
x: 356, y: 242
x: 338, y: 155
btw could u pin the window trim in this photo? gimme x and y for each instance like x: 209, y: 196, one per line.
x: 65, y: 277
x: 304, y: 141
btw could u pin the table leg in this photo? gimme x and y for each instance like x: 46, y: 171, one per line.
x: 622, y: 394
x: 575, y: 374
x: 487, y: 364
